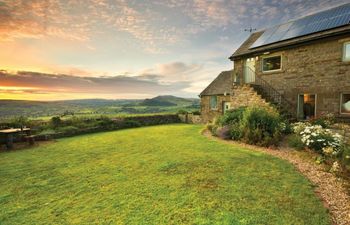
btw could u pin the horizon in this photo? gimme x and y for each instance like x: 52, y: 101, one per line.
x: 66, y: 50
x: 100, y: 99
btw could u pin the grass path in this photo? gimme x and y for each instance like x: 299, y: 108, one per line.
x: 154, y: 175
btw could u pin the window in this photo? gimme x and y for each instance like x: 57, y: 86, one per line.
x: 213, y: 102
x: 346, y: 52
x: 306, y: 106
x: 345, y: 103
x: 271, y: 63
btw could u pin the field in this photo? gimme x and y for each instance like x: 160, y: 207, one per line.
x: 153, y: 175
x: 35, y: 110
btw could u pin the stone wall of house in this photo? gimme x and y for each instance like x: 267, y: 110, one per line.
x: 315, y: 68
x: 208, y: 114
x: 245, y: 95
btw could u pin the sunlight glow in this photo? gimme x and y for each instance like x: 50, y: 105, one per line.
x: 14, y: 88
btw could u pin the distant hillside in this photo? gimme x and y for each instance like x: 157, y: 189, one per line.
x: 169, y: 100
x: 160, y: 104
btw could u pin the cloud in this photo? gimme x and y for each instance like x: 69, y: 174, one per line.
x: 173, y: 72
x: 30, y: 82
x: 155, y: 25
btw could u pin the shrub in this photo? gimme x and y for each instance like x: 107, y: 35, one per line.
x: 317, y: 138
x: 56, y: 121
x: 19, y: 122
x: 325, y: 120
x: 294, y: 141
x: 70, y: 130
x: 235, y: 131
x: 47, y: 132
x: 196, y: 113
x: 261, y: 126
x: 131, y: 123
x: 345, y: 156
x: 105, y: 122
x: 212, y: 127
x: 231, y: 116
x: 223, y: 132
x: 182, y: 111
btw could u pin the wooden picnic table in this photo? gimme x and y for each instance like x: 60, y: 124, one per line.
x: 9, y: 133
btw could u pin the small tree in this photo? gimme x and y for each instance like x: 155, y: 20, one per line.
x: 56, y: 121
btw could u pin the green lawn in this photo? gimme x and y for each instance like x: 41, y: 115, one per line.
x: 154, y: 175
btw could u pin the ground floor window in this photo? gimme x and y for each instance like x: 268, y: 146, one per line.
x: 213, y: 102
x: 345, y: 103
x: 306, y: 106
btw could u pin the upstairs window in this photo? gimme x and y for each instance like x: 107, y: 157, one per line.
x: 272, y: 63
x: 345, y: 103
x: 346, y: 52
x: 213, y: 102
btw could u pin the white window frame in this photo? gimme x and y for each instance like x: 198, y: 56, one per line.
x: 344, y: 52
x: 216, y: 107
x: 271, y: 56
x: 341, y: 103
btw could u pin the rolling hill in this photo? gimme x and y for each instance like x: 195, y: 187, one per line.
x: 159, y: 104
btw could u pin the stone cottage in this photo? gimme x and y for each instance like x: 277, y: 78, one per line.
x: 215, y: 99
x: 302, y: 67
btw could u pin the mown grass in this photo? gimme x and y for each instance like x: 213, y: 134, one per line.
x: 154, y: 175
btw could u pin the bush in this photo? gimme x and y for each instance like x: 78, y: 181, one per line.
x: 261, y: 126
x: 345, y: 156
x: 325, y: 120
x: 317, y: 138
x: 235, y: 131
x: 47, y: 132
x: 130, y: 124
x: 223, y: 132
x: 68, y: 130
x: 196, y: 113
x: 105, y: 122
x: 182, y: 111
x: 294, y: 141
x: 231, y: 117
x: 212, y: 127
x: 19, y: 122
x: 56, y: 121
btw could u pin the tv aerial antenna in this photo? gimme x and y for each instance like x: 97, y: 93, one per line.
x: 250, y: 29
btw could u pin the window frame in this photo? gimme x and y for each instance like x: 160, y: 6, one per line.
x: 298, y: 104
x: 210, y: 105
x: 344, y: 52
x: 271, y: 56
x: 341, y: 103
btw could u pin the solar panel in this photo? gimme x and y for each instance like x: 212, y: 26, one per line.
x: 321, y: 21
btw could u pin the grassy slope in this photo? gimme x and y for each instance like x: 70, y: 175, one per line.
x: 154, y: 175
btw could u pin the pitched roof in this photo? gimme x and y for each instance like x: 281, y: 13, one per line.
x: 328, y: 23
x: 221, y: 85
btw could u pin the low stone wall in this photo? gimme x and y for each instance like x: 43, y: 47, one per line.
x: 190, y: 118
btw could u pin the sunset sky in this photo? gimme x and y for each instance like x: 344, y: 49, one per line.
x: 71, y: 49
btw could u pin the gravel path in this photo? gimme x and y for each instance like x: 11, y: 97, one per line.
x: 329, y: 188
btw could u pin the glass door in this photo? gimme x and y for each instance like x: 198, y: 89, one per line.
x: 306, y: 106
x: 249, y: 71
